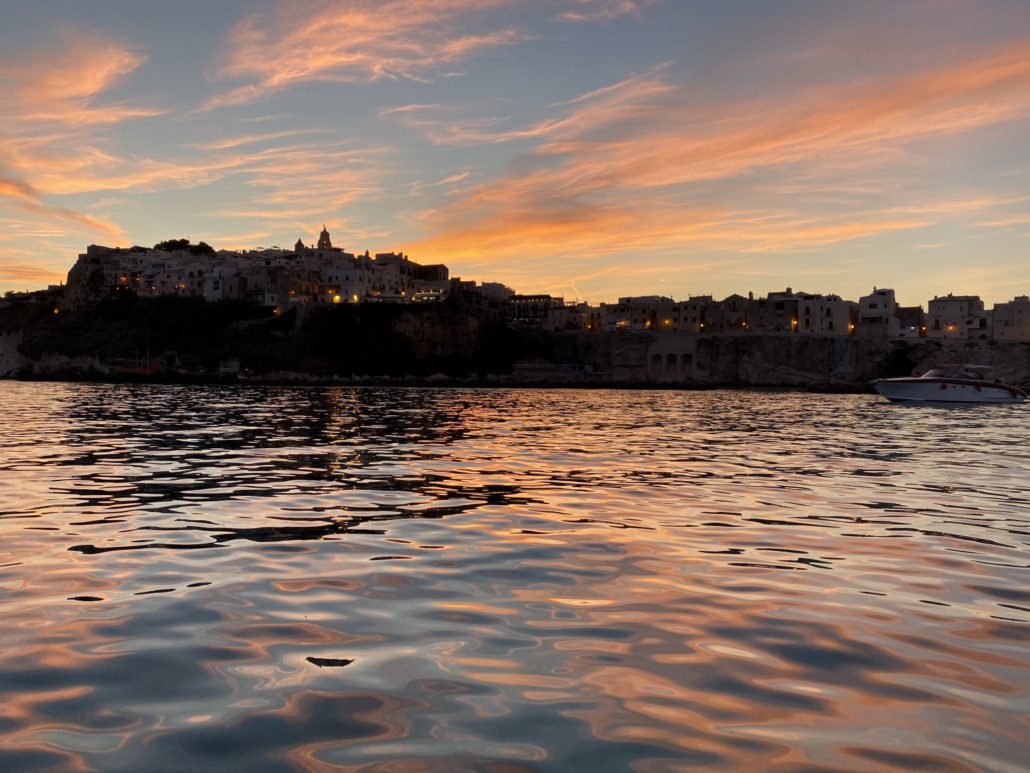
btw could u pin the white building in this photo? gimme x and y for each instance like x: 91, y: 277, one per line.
x: 320, y: 274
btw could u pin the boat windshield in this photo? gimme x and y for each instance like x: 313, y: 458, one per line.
x: 951, y: 373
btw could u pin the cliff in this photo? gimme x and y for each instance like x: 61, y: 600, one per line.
x: 779, y: 359
x: 187, y: 339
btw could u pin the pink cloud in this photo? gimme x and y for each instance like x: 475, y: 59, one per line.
x: 18, y: 194
x: 619, y: 167
x: 360, y: 42
x: 603, y: 10
x: 29, y: 274
x: 52, y: 94
x: 63, y: 84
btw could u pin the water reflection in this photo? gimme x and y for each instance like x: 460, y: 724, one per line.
x: 300, y: 578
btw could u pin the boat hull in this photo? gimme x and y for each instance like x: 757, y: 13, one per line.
x: 924, y: 390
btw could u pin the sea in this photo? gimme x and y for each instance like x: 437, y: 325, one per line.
x: 212, y: 578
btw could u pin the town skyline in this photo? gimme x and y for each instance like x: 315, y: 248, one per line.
x: 321, y: 273
x: 582, y: 148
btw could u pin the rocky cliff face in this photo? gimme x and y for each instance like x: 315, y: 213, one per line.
x: 11, y: 360
x: 792, y: 360
x: 189, y: 339
x: 14, y: 363
x: 1009, y: 361
x: 785, y: 359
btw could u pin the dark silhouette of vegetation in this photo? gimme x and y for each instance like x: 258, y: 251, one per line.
x: 345, y: 340
x: 174, y: 245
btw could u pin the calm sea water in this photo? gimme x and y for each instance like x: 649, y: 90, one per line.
x: 390, y: 579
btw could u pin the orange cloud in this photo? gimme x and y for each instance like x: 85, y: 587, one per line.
x: 29, y: 274
x: 227, y: 143
x: 62, y: 85
x: 53, y: 110
x: 620, y: 167
x: 17, y: 189
x: 21, y: 196
x: 360, y: 42
x: 54, y: 148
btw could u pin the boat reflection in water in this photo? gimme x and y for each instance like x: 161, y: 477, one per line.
x: 949, y: 384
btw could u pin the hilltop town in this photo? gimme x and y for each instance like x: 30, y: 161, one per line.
x: 642, y: 338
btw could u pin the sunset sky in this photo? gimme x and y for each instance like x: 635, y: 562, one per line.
x: 585, y: 148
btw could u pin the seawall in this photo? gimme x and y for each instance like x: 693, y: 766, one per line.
x: 775, y: 359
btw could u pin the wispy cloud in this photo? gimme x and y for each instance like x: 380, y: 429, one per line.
x: 30, y: 274
x: 227, y: 143
x: 58, y: 144
x: 624, y: 165
x: 54, y: 95
x: 19, y: 195
x: 363, y: 41
x: 62, y: 81
x: 637, y: 98
x: 603, y: 10
x: 358, y: 42
x: 409, y: 109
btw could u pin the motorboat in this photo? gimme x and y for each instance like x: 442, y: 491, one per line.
x: 949, y: 384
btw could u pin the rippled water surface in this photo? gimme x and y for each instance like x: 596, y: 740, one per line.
x: 391, y: 579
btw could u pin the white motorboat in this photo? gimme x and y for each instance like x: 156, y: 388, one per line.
x: 949, y: 384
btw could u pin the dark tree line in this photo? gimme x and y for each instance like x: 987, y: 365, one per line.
x: 173, y: 245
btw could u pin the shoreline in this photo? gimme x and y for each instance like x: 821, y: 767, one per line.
x: 431, y: 382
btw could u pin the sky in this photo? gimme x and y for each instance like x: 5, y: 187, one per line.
x: 585, y: 148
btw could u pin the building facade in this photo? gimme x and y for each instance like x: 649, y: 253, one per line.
x: 956, y: 316
x: 1012, y: 319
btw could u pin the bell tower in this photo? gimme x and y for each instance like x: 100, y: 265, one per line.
x: 324, y: 243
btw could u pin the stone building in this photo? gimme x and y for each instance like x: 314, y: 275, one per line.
x: 642, y: 312
x: 777, y: 313
x: 1012, y: 319
x: 828, y: 315
x: 957, y: 316
x: 878, y: 314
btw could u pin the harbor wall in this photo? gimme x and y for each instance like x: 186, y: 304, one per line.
x: 780, y: 359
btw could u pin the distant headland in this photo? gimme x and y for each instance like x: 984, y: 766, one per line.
x: 316, y: 313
